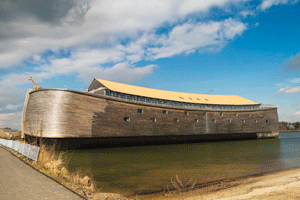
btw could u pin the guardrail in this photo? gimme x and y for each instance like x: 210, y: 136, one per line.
x: 30, y: 151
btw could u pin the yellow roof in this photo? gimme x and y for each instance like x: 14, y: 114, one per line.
x: 176, y: 96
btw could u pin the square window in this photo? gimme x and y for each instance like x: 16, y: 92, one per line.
x: 196, y: 120
x: 165, y: 112
x: 236, y: 114
x: 204, y: 114
x: 176, y: 120
x: 229, y: 120
x: 140, y: 111
x: 214, y: 121
x: 153, y: 119
x: 244, y: 121
x: 249, y: 115
x: 186, y: 113
x: 221, y: 114
x: 127, y: 119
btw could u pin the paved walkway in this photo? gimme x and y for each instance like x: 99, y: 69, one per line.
x: 20, y: 181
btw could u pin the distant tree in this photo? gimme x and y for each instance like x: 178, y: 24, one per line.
x: 297, y: 125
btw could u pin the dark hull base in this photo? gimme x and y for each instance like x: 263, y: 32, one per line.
x: 109, y: 142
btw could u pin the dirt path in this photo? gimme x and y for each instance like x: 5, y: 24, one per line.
x: 273, y: 186
x: 20, y: 181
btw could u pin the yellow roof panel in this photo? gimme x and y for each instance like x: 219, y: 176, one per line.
x: 176, y: 96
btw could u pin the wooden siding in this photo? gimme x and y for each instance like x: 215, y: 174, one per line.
x: 67, y: 114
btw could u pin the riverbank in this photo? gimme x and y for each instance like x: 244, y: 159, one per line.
x: 269, y: 186
x: 290, y: 130
x: 275, y: 186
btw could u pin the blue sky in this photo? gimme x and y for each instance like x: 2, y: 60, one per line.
x: 246, y: 48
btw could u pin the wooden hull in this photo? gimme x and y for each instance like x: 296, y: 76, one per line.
x: 54, y: 113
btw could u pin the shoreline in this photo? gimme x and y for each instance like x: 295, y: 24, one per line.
x: 276, y: 185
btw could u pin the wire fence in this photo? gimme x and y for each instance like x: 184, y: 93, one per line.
x: 30, y: 151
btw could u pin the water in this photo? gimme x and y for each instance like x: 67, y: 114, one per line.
x: 138, y: 170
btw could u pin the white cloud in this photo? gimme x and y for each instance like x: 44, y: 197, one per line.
x: 269, y: 3
x: 194, y: 36
x: 12, y: 120
x: 266, y: 4
x: 123, y: 72
x: 246, y: 13
x: 102, y: 23
x: 289, y: 117
x: 295, y: 80
x: 289, y: 90
x: 192, y: 6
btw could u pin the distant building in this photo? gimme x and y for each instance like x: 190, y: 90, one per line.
x: 282, y: 126
x: 291, y: 126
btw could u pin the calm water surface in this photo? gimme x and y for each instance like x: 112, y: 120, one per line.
x: 136, y: 170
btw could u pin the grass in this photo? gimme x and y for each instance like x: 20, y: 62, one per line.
x: 10, y: 135
x: 54, y: 164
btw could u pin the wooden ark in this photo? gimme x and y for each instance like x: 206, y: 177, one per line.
x: 110, y: 113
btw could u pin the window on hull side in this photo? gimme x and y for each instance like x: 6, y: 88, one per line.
x: 140, y: 111
x: 164, y: 111
x: 127, y: 119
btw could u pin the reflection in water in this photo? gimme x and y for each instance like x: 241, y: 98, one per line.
x: 131, y: 170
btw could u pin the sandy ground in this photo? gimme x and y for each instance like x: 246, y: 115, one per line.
x: 275, y: 186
